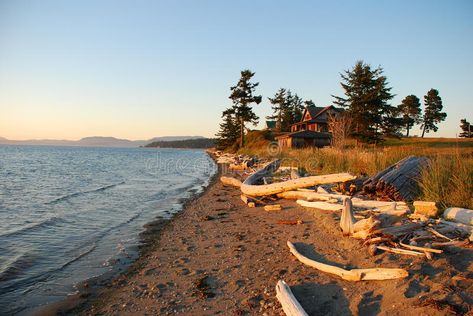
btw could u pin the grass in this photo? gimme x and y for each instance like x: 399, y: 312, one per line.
x: 447, y: 180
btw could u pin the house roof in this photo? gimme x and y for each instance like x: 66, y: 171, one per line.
x: 305, y: 134
x: 315, y: 111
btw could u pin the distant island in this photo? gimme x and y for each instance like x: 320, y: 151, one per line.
x: 98, y: 141
x: 188, y: 143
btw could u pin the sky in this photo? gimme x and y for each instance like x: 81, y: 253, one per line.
x: 140, y: 69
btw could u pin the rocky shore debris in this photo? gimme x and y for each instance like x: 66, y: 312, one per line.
x: 385, y: 223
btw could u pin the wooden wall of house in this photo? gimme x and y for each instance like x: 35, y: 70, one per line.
x: 310, y: 142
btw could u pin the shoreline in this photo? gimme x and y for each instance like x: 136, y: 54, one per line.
x: 90, y: 288
x: 218, y: 256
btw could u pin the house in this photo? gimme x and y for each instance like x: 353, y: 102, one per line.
x: 315, y: 119
x: 312, y: 130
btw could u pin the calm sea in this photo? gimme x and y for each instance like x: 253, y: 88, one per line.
x: 69, y: 213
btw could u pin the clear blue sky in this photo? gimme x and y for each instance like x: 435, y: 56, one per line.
x: 138, y: 69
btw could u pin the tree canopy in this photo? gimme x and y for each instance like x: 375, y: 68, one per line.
x: 410, y: 111
x: 433, y: 114
x: 229, y: 131
x: 366, y: 99
x: 242, y: 96
x: 467, y: 129
x: 287, y: 109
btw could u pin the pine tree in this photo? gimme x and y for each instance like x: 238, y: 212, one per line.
x: 410, y: 111
x: 295, y: 108
x: 229, y: 131
x: 366, y: 99
x: 242, y: 97
x: 287, y: 108
x: 467, y: 129
x: 278, y: 104
x: 432, y: 112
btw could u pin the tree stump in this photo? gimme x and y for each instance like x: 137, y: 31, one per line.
x: 398, y: 182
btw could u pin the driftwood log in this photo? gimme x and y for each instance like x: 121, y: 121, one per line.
x: 273, y: 207
x: 350, y: 275
x: 250, y: 185
x: 289, y: 303
x: 398, y: 182
x: 379, y: 206
x: 347, y: 219
x: 397, y: 231
x: 320, y: 205
x: 230, y: 181
x: 460, y: 215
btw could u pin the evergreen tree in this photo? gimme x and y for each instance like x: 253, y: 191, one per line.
x: 278, y: 104
x: 432, y: 112
x: 229, y: 131
x: 410, y: 111
x: 366, y: 99
x: 467, y: 129
x: 287, y: 108
x: 242, y: 97
x: 296, y: 108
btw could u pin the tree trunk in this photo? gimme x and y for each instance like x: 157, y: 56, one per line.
x: 423, y: 131
x: 398, y: 182
x: 242, y: 132
x: 407, y: 134
x: 279, y: 122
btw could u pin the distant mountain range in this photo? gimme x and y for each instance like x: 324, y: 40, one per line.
x: 96, y: 141
x: 187, y: 143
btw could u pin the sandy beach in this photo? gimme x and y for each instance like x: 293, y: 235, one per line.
x: 220, y: 257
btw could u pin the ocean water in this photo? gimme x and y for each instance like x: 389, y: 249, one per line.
x: 69, y: 213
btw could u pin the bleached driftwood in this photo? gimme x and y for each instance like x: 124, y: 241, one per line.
x: 376, y: 240
x: 362, y: 234
x: 425, y: 249
x: 460, y: 215
x: 321, y: 189
x: 400, y: 251
x: 436, y: 233
x: 320, y: 205
x: 367, y: 224
x: 398, y: 231
x: 289, y: 303
x: 378, y: 206
x: 347, y: 219
x: 248, y: 201
x: 463, y: 228
x: 274, y: 207
x: 230, y: 181
x: 350, y: 275
x: 250, y: 187
x: 305, y: 195
x: 457, y: 243
x: 226, y: 159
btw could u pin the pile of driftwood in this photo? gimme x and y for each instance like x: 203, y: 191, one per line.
x: 237, y: 162
x: 397, y: 182
x: 387, y: 226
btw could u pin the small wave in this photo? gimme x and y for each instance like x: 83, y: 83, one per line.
x: 16, y: 266
x: 82, y: 254
x: 68, y: 196
x: 47, y: 222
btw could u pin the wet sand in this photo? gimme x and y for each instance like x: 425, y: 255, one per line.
x: 220, y: 257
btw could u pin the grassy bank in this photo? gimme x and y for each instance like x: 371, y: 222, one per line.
x: 448, y: 179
